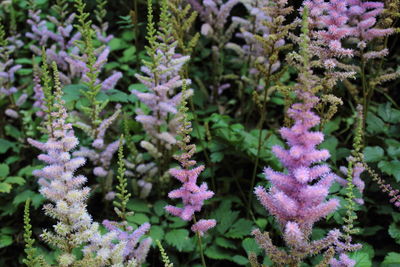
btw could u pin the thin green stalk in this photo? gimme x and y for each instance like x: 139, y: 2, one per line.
x: 260, y: 125
x: 209, y: 163
x: 200, y: 245
x: 364, y: 88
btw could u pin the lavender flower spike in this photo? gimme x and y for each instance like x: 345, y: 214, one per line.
x: 60, y: 185
x: 192, y: 195
x: 292, y: 198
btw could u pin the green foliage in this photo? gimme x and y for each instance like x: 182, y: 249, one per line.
x: 123, y: 195
x: 164, y: 255
x: 85, y: 28
x: 226, y: 131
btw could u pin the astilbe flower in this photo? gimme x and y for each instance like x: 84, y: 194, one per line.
x: 39, y: 94
x: 251, y: 30
x: 8, y: 68
x: 59, y: 184
x: 64, y: 49
x: 298, y: 198
x: 135, y: 248
x: 162, y: 78
x: 215, y: 14
x: 362, y: 17
x: 343, y: 261
x: 101, y: 154
x: 61, y: 42
x: 335, y: 21
x: 78, y: 68
x: 358, y: 169
x: 192, y: 195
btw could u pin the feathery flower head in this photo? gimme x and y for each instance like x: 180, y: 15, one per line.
x: 298, y: 197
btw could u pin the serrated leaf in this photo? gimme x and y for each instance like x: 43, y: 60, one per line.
x: 73, y: 92
x: 156, y: 232
x: 240, y: 229
x: 137, y: 205
x: 5, y: 241
x: 217, y: 253
x: 373, y: 153
x: 250, y: 245
x: 159, y: 207
x: 240, y: 260
x: 225, y: 243
x: 394, y: 232
x: 391, y: 168
x: 4, y: 170
x: 217, y: 157
x: 392, y: 259
x: 23, y: 196
x: 226, y: 220
x: 138, y: 218
x: 177, y: 238
x: 5, y: 188
x: 177, y: 222
x: 117, y: 96
x: 362, y: 259
x: 374, y: 124
x: 5, y: 145
x: 15, y: 180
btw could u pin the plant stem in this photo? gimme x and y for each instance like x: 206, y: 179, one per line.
x: 203, y: 142
x: 199, y: 243
x: 260, y: 127
x: 364, y: 88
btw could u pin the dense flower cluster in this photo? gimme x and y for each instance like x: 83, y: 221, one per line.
x: 253, y: 50
x: 65, y: 190
x: 64, y: 49
x: 298, y: 197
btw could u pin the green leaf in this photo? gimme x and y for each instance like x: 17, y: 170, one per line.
x: 392, y: 259
x: 156, y: 232
x: 225, y: 243
x: 373, y: 153
x: 128, y: 55
x: 240, y: 260
x: 5, y: 188
x: 5, y: 145
x: 27, y: 171
x: 177, y: 222
x: 23, y: 196
x: 4, y: 170
x: 5, y: 241
x: 138, y: 218
x: 226, y: 220
x: 250, y: 245
x: 73, y: 92
x: 137, y: 205
x: 159, y: 207
x: 374, y: 124
x: 394, y: 232
x: 241, y: 228
x: 117, y: 96
x: 116, y: 44
x: 15, y: 180
x: 391, y: 168
x: 217, y: 253
x: 217, y: 157
x: 177, y: 238
x: 389, y: 114
x: 362, y: 259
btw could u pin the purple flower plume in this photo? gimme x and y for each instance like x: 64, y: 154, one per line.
x: 298, y: 196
